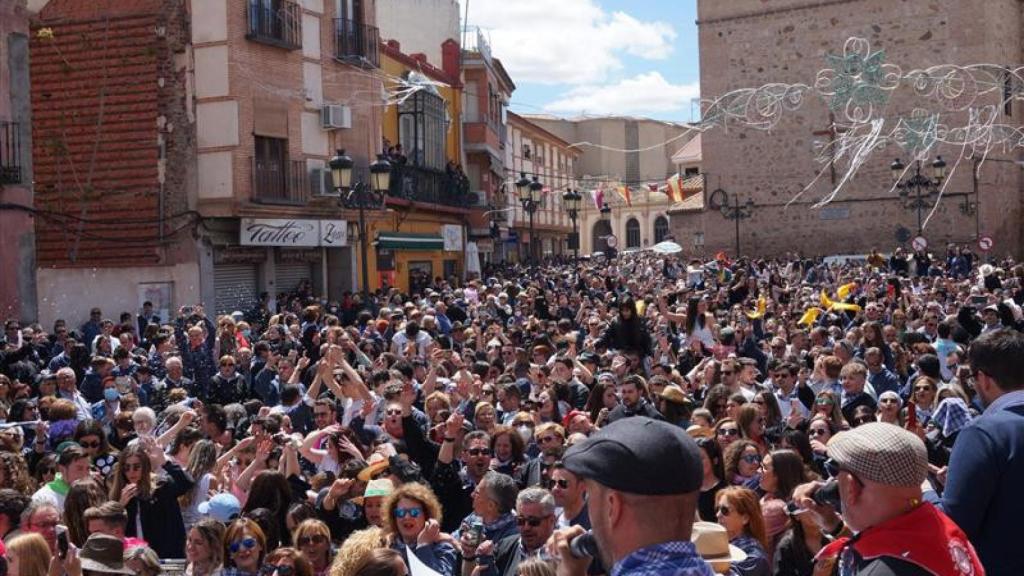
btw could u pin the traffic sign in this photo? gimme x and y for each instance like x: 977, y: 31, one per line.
x: 920, y: 243
x: 985, y: 243
x: 612, y: 241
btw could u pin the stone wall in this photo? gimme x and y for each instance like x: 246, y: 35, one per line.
x: 744, y: 44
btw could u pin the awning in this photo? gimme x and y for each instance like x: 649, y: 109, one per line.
x: 409, y: 241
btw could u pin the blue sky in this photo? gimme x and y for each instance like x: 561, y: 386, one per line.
x: 596, y: 57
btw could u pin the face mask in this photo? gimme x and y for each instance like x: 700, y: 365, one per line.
x: 525, y: 432
x: 247, y: 333
x: 111, y: 394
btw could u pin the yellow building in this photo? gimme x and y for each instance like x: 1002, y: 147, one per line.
x: 422, y: 234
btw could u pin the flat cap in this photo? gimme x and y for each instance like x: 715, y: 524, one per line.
x: 639, y: 455
x: 882, y: 453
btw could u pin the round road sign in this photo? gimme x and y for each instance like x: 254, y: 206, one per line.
x: 612, y: 241
x: 985, y: 243
x: 920, y: 243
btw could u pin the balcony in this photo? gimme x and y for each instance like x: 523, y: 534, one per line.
x: 275, y: 22
x: 10, y: 153
x: 430, y: 186
x: 356, y: 43
x: 275, y: 182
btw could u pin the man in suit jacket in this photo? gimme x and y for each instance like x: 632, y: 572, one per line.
x: 986, y: 471
x: 146, y: 318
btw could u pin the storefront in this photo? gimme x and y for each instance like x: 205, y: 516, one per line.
x: 411, y: 261
x: 282, y: 257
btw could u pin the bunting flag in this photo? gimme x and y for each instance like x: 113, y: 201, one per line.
x: 598, y: 195
x: 809, y: 317
x: 843, y: 291
x: 626, y: 194
x: 762, y: 307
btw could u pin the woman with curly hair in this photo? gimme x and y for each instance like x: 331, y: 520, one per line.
x: 14, y: 473
x: 508, y: 449
x: 742, y: 462
x: 412, y: 521
x: 358, y: 549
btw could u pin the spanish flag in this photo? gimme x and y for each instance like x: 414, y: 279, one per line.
x: 674, y: 191
x: 626, y: 194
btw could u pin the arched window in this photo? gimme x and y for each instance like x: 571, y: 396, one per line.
x: 632, y: 233
x: 660, y: 229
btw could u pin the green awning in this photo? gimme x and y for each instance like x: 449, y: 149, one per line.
x: 409, y: 241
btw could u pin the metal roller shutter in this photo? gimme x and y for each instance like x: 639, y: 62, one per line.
x: 236, y: 286
x: 291, y: 274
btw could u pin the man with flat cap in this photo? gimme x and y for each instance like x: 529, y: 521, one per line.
x: 643, y: 478
x: 879, y: 468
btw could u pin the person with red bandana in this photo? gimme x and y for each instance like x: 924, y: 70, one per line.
x: 885, y: 528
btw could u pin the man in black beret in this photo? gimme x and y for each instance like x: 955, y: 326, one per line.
x: 643, y: 478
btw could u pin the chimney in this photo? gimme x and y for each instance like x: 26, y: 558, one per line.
x: 419, y: 57
x: 450, y: 55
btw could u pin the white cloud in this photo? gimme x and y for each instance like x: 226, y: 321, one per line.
x: 640, y: 95
x: 566, y: 41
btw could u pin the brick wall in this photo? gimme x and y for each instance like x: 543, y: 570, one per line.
x: 744, y: 44
x: 105, y: 89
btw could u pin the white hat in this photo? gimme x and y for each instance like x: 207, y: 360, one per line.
x: 712, y: 542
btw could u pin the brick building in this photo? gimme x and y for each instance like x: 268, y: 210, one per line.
x: 747, y: 43
x: 17, y: 241
x: 110, y: 118
x: 532, y: 152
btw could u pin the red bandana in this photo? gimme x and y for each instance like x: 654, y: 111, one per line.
x: 924, y: 536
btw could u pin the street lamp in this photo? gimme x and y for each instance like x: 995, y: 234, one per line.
x: 719, y: 200
x: 529, y: 195
x: 361, y: 196
x: 922, y: 187
x: 571, y: 199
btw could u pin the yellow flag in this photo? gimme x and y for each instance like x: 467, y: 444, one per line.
x: 826, y: 303
x: 809, y: 316
x: 843, y: 307
x: 762, y: 307
x: 845, y: 290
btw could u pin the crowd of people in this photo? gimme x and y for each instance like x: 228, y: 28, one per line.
x: 644, y: 415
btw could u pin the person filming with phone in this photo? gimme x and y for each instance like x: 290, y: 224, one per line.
x: 873, y: 509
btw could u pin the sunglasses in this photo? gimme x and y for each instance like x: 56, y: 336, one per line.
x: 863, y: 420
x: 818, y: 432
x: 314, y: 539
x: 247, y: 543
x: 824, y: 402
x: 410, y: 512
x: 88, y: 445
x: 282, y: 569
x: 547, y: 439
x: 723, y: 510
x: 479, y: 451
x: 561, y: 483
x: 888, y: 401
x: 751, y: 459
x: 922, y: 388
x: 532, y: 521
x: 393, y: 412
x: 728, y: 432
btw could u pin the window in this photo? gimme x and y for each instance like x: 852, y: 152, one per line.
x: 421, y: 129
x: 270, y: 164
x: 526, y: 151
x: 660, y: 229
x: 632, y: 233
x: 691, y: 172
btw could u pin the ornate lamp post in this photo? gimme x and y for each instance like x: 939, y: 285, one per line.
x: 571, y: 199
x: 361, y: 196
x: 529, y: 195
x: 736, y: 212
x: 919, y: 191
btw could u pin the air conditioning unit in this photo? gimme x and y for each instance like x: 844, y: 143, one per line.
x: 334, y: 116
x: 320, y: 183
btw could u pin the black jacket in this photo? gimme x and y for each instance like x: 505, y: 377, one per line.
x: 162, y: 525
x: 644, y: 408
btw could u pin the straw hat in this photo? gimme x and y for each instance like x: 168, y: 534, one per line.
x: 712, y: 544
x: 375, y: 464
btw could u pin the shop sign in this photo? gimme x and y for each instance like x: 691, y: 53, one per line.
x: 452, y: 234
x: 293, y: 233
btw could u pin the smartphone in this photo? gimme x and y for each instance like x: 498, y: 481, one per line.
x: 828, y: 495
x: 979, y: 299
x: 62, y: 541
x: 911, y: 414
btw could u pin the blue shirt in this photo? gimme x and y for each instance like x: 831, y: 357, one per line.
x: 676, y: 558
